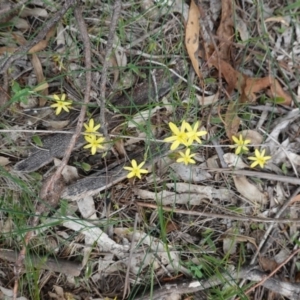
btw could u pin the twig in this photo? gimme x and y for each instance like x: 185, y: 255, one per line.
x: 275, y: 221
x: 287, y: 289
x: 45, y: 263
x: 272, y: 273
x: 109, y: 46
x: 218, y: 216
x: 21, y: 51
x: 127, y: 283
x: 88, y: 75
x: 268, y: 176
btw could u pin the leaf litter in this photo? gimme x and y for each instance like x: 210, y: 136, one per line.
x: 236, y: 72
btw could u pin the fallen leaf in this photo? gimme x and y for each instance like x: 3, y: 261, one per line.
x: 225, y: 30
x: 229, y: 245
x: 190, y: 173
x: 232, y: 121
x: 87, y: 208
x: 277, y: 19
x: 295, y: 199
x: 267, y: 264
x: 4, y: 161
x: 249, y: 190
x: 57, y: 125
x: 35, y: 12
x: 234, y: 161
x: 38, y: 70
x: 248, y: 86
x: 171, y: 226
x: 252, y: 135
x: 208, y: 99
x: 192, y: 36
x: 69, y: 173
x: 242, y: 28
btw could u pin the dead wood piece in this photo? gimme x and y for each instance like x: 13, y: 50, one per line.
x: 286, y: 289
x: 95, y: 183
x: 53, y: 146
x: 52, y: 264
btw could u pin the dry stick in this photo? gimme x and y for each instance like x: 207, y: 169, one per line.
x: 52, y: 187
x: 127, y: 283
x: 21, y: 51
x: 45, y: 263
x: 272, y: 273
x: 88, y: 75
x: 109, y: 46
x: 268, y: 231
x: 219, y: 216
x: 275, y: 220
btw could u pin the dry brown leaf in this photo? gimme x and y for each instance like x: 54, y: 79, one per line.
x: 7, y: 49
x: 247, y: 86
x: 277, y: 19
x: 37, y: 66
x: 171, y: 226
x: 249, y: 190
x: 192, y: 36
x: 234, y: 79
x: 277, y: 91
x: 225, y: 30
x: 296, y: 199
x: 4, y: 161
x: 38, y: 47
x: 232, y: 121
x: 267, y: 264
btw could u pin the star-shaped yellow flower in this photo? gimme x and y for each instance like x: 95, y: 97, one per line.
x: 179, y: 135
x: 135, y: 169
x: 90, y: 127
x: 186, y: 157
x: 259, y: 158
x: 240, y: 144
x: 61, y: 104
x: 193, y: 134
x: 94, y: 143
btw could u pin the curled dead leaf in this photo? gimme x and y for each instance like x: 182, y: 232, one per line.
x: 249, y: 190
x: 192, y: 36
x: 252, y: 135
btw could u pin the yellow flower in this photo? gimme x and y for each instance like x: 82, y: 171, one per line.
x: 90, y: 128
x: 186, y: 157
x: 94, y: 143
x: 193, y: 134
x: 136, y: 170
x: 59, y: 61
x: 61, y: 103
x: 179, y: 135
x: 240, y: 144
x: 259, y: 158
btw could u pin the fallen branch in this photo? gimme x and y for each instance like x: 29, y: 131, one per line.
x: 286, y: 289
x: 68, y: 268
